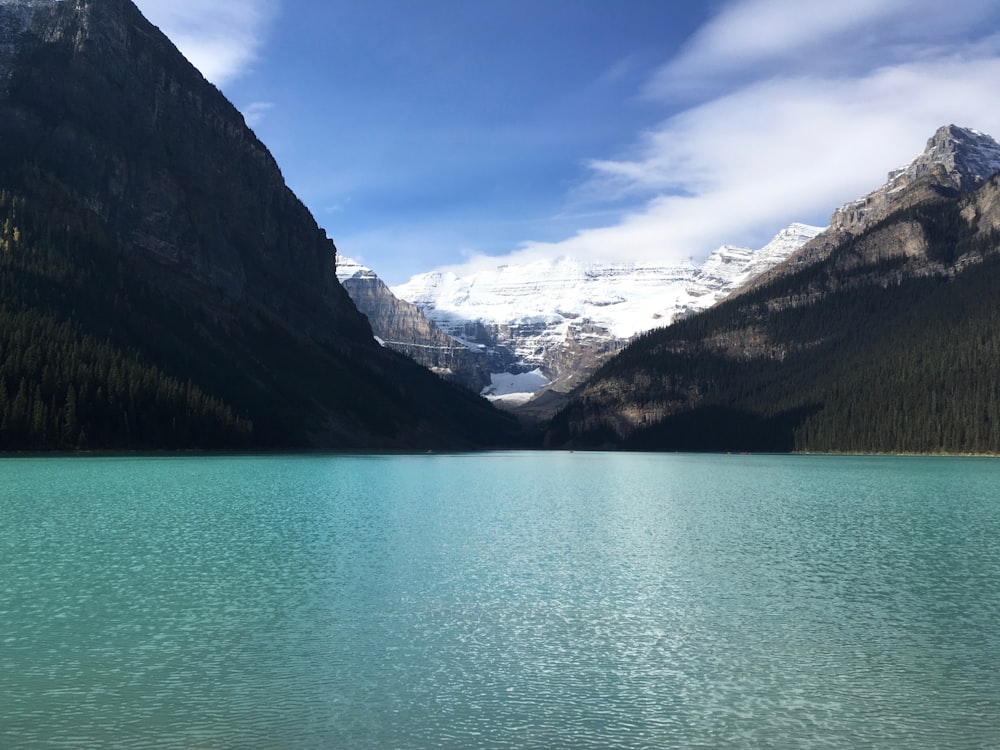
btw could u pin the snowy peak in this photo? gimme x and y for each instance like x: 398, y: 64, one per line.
x: 955, y: 159
x: 968, y: 157
x: 557, y: 319
x: 549, y: 291
x: 787, y: 241
x: 622, y: 298
x: 348, y: 268
x: 730, y: 268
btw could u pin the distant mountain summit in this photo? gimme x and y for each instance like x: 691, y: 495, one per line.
x: 559, y: 319
x: 956, y: 160
x: 879, y: 335
x: 969, y: 158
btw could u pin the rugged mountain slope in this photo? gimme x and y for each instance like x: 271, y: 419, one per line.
x: 162, y: 287
x: 401, y: 326
x: 562, y: 318
x: 880, y: 335
x: 955, y: 161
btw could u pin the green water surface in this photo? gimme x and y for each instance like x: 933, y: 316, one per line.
x: 506, y: 600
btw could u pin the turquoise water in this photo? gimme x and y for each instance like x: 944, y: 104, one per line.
x: 518, y: 600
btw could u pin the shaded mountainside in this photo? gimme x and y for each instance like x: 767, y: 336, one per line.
x: 160, y: 286
x: 401, y: 326
x: 886, y: 341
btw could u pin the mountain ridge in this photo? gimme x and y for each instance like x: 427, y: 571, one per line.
x: 561, y: 318
x: 879, y: 339
x: 149, y: 228
x: 955, y: 160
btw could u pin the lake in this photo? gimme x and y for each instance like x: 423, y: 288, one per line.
x: 503, y: 600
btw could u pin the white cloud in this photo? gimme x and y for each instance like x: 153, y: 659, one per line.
x: 256, y: 112
x: 753, y: 38
x: 777, y: 147
x: 220, y: 39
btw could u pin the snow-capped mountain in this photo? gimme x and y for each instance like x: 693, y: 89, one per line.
x: 956, y: 158
x: 401, y: 326
x: 559, y: 319
x: 546, y: 326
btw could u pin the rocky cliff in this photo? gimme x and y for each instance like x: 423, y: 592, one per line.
x: 401, y: 326
x: 184, y: 248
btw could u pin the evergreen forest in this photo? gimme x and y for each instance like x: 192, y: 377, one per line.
x: 874, y: 360
x: 101, y: 350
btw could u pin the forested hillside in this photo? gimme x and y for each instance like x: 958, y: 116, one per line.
x: 889, y: 344
x: 94, y: 356
x: 61, y: 387
x: 160, y: 286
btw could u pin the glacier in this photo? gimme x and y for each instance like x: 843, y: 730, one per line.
x: 562, y: 317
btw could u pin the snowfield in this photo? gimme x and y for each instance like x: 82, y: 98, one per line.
x: 622, y: 299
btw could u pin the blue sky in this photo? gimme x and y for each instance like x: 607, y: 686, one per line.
x: 435, y: 133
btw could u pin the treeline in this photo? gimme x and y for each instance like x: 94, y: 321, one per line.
x: 62, y: 388
x: 874, y: 360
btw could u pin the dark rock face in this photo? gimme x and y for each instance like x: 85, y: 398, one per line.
x: 100, y: 98
x: 223, y: 276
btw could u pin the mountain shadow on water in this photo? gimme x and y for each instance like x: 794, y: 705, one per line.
x: 718, y: 429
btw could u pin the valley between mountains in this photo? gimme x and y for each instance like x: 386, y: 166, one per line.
x: 531, y: 334
x: 162, y: 288
x: 873, y: 334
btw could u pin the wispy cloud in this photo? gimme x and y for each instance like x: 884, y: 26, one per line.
x: 778, y: 141
x: 220, y: 39
x: 256, y: 112
x: 751, y: 39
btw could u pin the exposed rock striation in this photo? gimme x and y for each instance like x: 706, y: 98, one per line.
x: 401, y: 326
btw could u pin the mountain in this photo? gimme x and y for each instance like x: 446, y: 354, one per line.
x: 955, y: 161
x: 402, y: 326
x: 879, y: 335
x: 547, y: 325
x: 160, y: 286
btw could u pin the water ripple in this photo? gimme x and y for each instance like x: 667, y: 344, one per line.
x: 499, y: 601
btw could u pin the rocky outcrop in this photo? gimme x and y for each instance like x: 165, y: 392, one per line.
x: 401, y: 326
x: 955, y: 161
